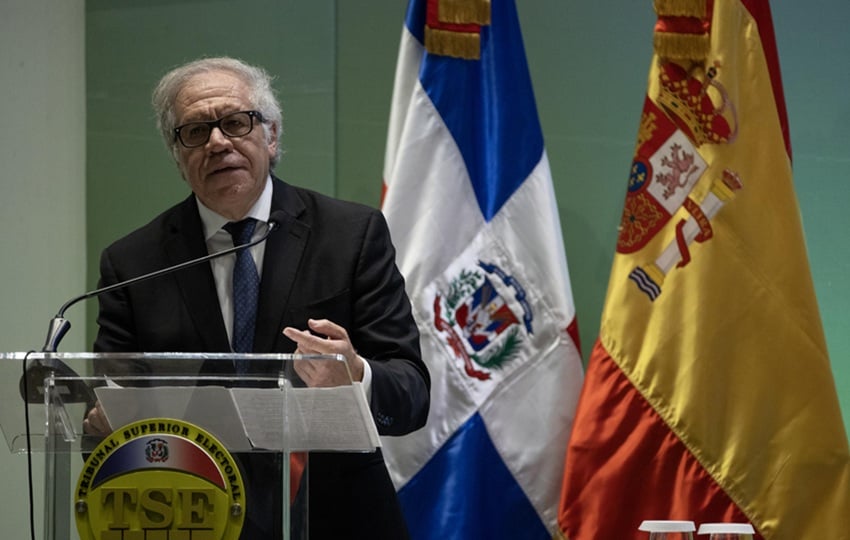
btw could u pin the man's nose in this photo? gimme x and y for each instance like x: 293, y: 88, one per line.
x: 217, y: 137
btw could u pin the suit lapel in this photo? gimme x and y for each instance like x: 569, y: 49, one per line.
x: 184, y: 240
x: 284, y: 249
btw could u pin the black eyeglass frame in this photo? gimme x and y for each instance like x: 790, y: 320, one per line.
x: 217, y: 124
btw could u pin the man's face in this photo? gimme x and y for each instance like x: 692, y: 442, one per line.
x: 227, y: 174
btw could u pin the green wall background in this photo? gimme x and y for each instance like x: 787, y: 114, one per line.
x: 335, y: 62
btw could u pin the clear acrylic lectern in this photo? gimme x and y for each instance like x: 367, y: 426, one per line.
x: 176, y: 417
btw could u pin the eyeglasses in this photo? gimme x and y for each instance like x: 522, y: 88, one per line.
x: 236, y: 124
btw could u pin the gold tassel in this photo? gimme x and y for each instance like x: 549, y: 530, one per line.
x: 681, y: 8
x: 466, y: 45
x: 464, y: 11
x: 681, y: 46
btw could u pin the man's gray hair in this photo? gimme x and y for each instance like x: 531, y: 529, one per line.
x: 258, y: 80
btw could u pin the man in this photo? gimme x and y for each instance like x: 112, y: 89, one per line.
x: 328, y: 284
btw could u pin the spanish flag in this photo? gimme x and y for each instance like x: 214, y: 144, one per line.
x: 708, y: 395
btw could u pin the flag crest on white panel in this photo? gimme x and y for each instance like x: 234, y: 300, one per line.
x: 469, y: 198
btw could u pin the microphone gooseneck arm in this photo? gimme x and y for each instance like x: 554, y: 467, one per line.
x: 59, y: 325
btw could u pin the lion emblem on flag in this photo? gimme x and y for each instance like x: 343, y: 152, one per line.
x: 691, y: 110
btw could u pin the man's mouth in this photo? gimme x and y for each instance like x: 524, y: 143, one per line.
x: 223, y: 170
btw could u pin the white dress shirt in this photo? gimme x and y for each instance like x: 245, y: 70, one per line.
x: 218, y: 239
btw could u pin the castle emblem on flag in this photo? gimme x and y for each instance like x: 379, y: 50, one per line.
x: 476, y: 317
x: 688, y: 112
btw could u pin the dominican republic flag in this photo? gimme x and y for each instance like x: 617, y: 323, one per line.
x: 469, y: 199
x: 709, y: 395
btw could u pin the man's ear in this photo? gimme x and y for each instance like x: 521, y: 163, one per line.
x: 272, y: 140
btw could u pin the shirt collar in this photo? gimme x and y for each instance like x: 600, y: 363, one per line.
x: 213, y: 222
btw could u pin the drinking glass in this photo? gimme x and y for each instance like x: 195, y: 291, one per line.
x: 668, y: 529
x: 727, y: 531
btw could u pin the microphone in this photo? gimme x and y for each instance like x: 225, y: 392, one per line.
x: 59, y: 325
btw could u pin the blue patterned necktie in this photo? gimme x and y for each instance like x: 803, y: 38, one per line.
x: 246, y: 288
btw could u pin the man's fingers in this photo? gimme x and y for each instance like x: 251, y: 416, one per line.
x: 328, y: 328
x: 307, y: 343
x: 95, y: 422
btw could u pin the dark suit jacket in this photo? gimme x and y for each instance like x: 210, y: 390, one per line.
x: 330, y: 259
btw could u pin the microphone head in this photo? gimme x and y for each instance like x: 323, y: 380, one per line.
x: 276, y: 219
